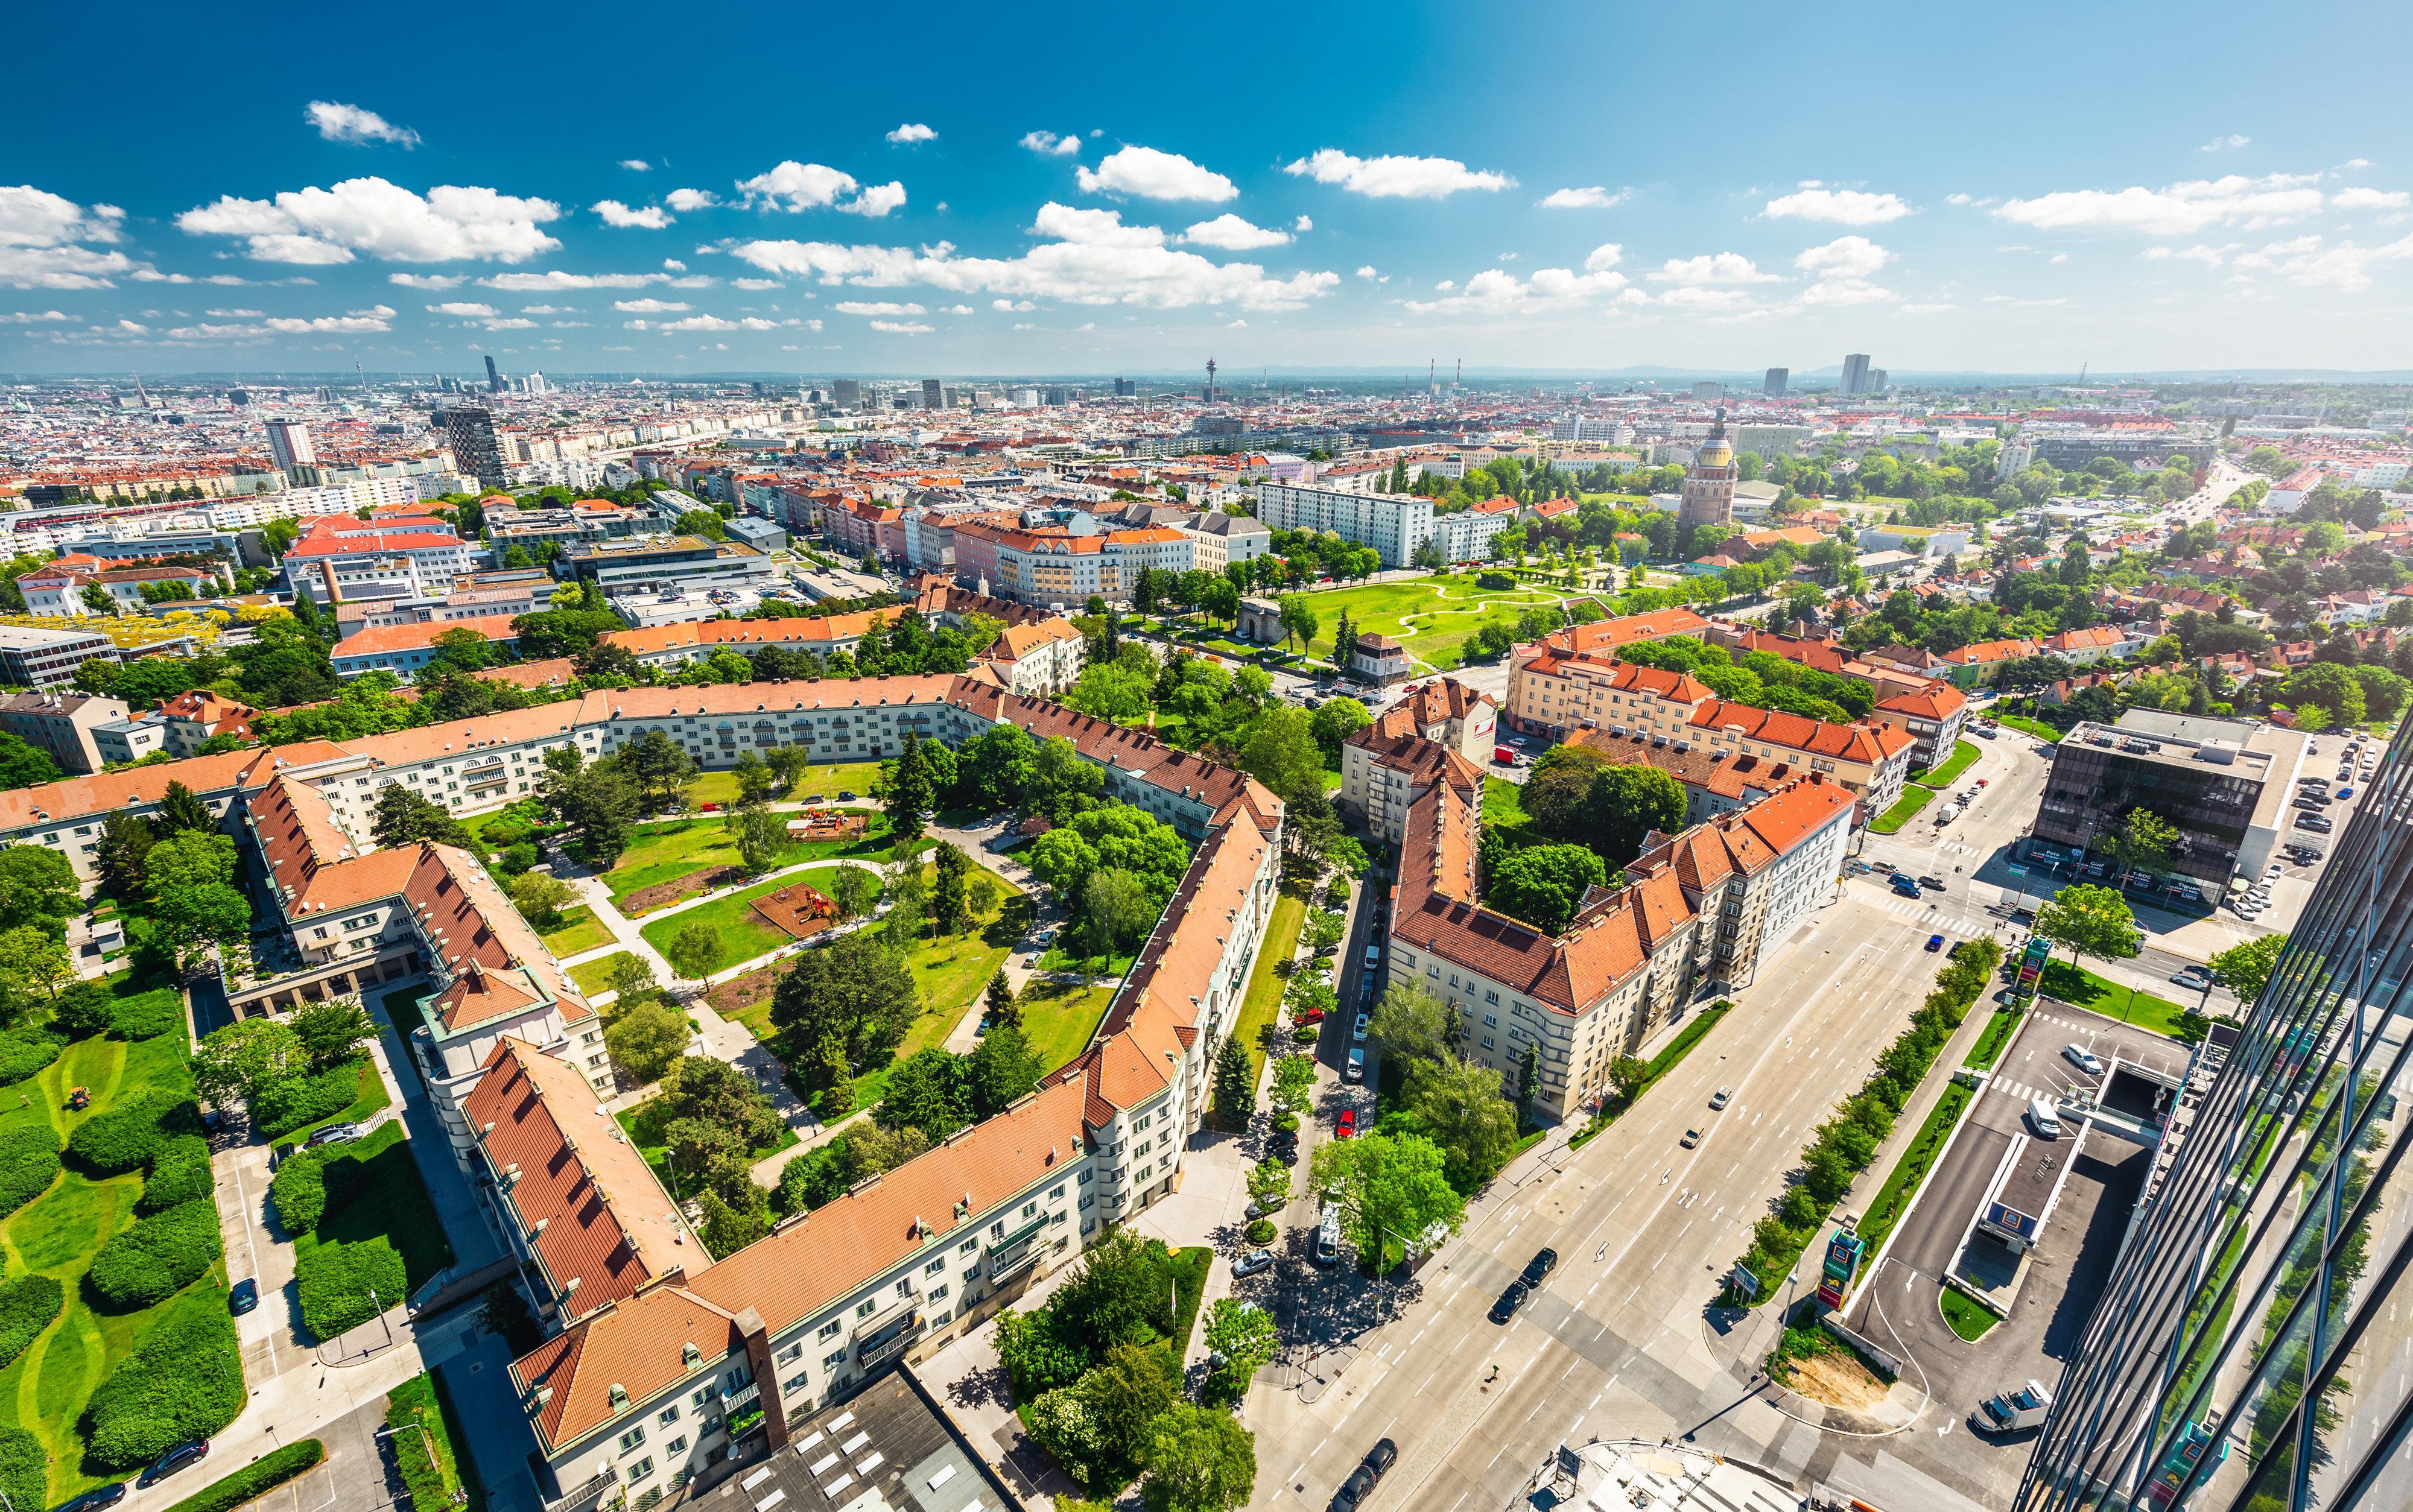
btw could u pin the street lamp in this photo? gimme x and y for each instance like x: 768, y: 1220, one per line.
x: 381, y: 1317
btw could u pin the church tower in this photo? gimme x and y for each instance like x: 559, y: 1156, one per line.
x: 1709, y: 483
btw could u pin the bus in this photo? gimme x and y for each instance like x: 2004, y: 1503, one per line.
x: 1327, y: 1235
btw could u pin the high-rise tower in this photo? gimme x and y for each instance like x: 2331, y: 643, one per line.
x: 493, y: 375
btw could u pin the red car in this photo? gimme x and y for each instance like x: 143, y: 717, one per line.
x: 1348, y: 1124
x: 710, y: 807
x: 1309, y: 1016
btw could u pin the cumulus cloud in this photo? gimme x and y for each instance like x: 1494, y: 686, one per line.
x: 684, y: 200
x: 650, y: 306
x: 876, y: 199
x: 431, y: 282
x: 795, y: 188
x: 2359, y: 198
x: 41, y: 237
x: 903, y: 328
x: 2314, y: 263
x: 882, y: 307
x: 28, y: 317
x: 650, y: 218
x: 1843, y: 291
x: 1846, y: 256
x: 555, y: 280
x: 464, y: 309
x: 511, y: 323
x: 1713, y: 268
x: 636, y: 165
x: 756, y: 284
x: 1498, y: 292
x: 547, y: 308
x: 1052, y: 145
x: 1843, y: 206
x: 375, y: 219
x: 1154, y: 175
x: 2216, y: 143
x: 912, y: 131
x: 2176, y: 209
x: 1594, y: 198
x: 357, y: 322
x: 1396, y: 177
x: 351, y: 124
x: 1093, y: 227
x: 1231, y: 233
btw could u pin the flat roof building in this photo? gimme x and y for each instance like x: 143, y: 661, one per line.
x: 31, y: 658
x: 2222, y: 783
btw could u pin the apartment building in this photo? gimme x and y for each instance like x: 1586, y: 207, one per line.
x: 667, y: 564
x: 1219, y: 540
x: 61, y: 726
x: 1553, y: 696
x: 1714, y: 783
x: 1603, y: 636
x: 1466, y: 535
x: 58, y: 591
x: 1696, y: 913
x: 1933, y: 716
x: 404, y: 649
x: 32, y: 658
x: 430, y: 554
x: 1870, y: 759
x: 1060, y: 570
x: 1394, y: 524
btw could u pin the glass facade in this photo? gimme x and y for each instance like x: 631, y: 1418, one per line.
x: 2254, y: 1348
x: 2100, y: 773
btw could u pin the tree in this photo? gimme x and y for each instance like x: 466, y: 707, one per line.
x: 1294, y: 1083
x: 1244, y: 1334
x: 1396, y: 1183
x: 191, y: 876
x: 1337, y: 719
x: 24, y: 766
x: 2245, y: 969
x: 1543, y: 885
x: 1003, y: 1011
x: 1127, y: 1392
x: 1115, y: 911
x: 694, y: 951
x: 1460, y: 1105
x: 241, y: 1061
x: 631, y: 980
x: 1633, y: 801
x: 927, y: 1091
x: 35, y: 961
x: 181, y: 809
x: 755, y: 777
x: 124, y: 844
x: 646, y: 1040
x: 2329, y: 687
x: 597, y: 807
x: 539, y: 896
x: 906, y: 791
x: 758, y: 835
x: 1283, y: 754
x: 2144, y: 842
x: 1236, y: 1087
x: 853, y: 888
x: 1110, y: 691
x: 1628, y: 1076
x: 1000, y: 1070
x: 1557, y: 796
x: 1411, y: 1023
x: 1298, y: 619
x: 333, y: 1031
x: 2091, y: 922
x: 1269, y: 1181
x: 947, y: 903
x: 1528, y: 1079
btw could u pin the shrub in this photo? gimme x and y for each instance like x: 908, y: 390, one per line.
x: 336, y: 1280
x: 159, y: 1255
x: 27, y: 1305
x: 1286, y: 1123
x: 184, y: 1382
x: 147, y: 1015
x: 432, y: 1484
x: 1305, y: 1034
x: 256, y: 1479
x: 25, y: 1468
x: 289, y: 1105
x: 24, y: 1051
x: 29, y: 1162
x: 518, y: 858
x: 1262, y: 1231
x: 179, y: 1173
x: 300, y: 1191
x: 82, y: 1008
x: 128, y: 1136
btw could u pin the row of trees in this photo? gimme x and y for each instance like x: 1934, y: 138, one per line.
x: 1454, y: 1103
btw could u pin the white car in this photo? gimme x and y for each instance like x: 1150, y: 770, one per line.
x: 2082, y: 1058
x: 2195, y: 978
x: 2274, y: 870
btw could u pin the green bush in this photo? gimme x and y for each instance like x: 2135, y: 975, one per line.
x: 83, y: 1008
x: 256, y: 1479
x: 29, y: 1162
x: 336, y: 1280
x: 300, y: 1191
x: 127, y: 1136
x: 289, y: 1104
x: 179, y: 1173
x: 158, y: 1256
x: 147, y: 1015
x: 24, y: 1051
x: 25, y: 1469
x: 184, y: 1382
x: 433, y: 1484
x: 1262, y: 1231
x: 27, y: 1305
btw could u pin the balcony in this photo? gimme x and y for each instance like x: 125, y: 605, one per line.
x: 588, y: 1494
x: 873, y: 1350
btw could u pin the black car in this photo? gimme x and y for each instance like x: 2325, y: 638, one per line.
x: 1381, y: 1456
x: 1511, y: 1299
x: 1542, y: 1264
x: 95, y: 1499
x: 243, y: 1297
x: 178, y: 1456
x: 1282, y: 1140
x: 1359, y: 1485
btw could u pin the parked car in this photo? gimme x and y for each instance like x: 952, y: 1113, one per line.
x: 2082, y: 1058
x: 2343, y: 794
x: 2195, y: 978
x: 1309, y: 1016
x: 1359, y: 1485
x: 2044, y: 1118
x: 242, y: 1296
x: 1346, y: 1126
x: 177, y: 1457
x: 1379, y: 1459
x: 1502, y: 755
x: 95, y: 1499
x: 332, y: 1134
x: 2317, y: 824
x: 1261, y: 1207
x: 1358, y: 1030
x: 1356, y: 1069
x: 1253, y: 1262
x: 1542, y: 1264
x: 2012, y: 1410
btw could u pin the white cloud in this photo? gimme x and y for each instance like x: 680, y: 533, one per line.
x: 1303, y: 224
x: 1925, y: 309
x: 795, y: 186
x: 1052, y: 145
x: 684, y: 200
x: 547, y: 308
x: 1367, y: 272
x: 912, y: 131
x: 351, y: 124
x: 511, y: 323
x: 40, y: 234
x: 650, y: 306
x: 1498, y: 292
x: 1846, y: 256
x: 636, y: 165
x: 756, y: 284
x: 374, y: 318
x: 1713, y: 268
x: 1154, y: 175
x: 876, y: 201
x: 673, y: 265
x: 1231, y: 233
x: 2176, y: 209
x: 1396, y: 177
x: 432, y: 282
x: 465, y: 309
x: 1011, y: 307
x: 1844, y: 207
x: 902, y: 328
x: 957, y: 309
x: 2216, y: 143
x: 649, y: 217
x: 1093, y: 227
x: 1692, y: 298
x: 2310, y: 261
x: 379, y: 219
x: 555, y: 280
x: 1843, y: 291
x: 27, y: 318
x: 1594, y: 198
x: 2359, y: 198
x: 860, y: 307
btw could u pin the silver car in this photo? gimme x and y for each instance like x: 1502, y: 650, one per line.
x: 2082, y: 1058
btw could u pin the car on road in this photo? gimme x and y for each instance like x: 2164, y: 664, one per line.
x: 2195, y: 978
x: 1381, y: 1456
x: 2345, y: 793
x: 95, y: 1499
x: 2082, y: 1058
x: 1511, y: 1299
x: 1356, y: 1069
x: 1359, y: 1485
x: 1346, y: 1126
x: 176, y: 1457
x: 1253, y: 1262
x: 1904, y: 886
x: 1719, y: 1099
x: 332, y: 1134
x: 242, y: 1296
x: 1358, y: 1030
x: 1542, y: 1264
x: 1932, y: 882
x: 1373, y: 957
x: 1691, y: 1137
x: 2012, y: 1410
x: 1936, y: 942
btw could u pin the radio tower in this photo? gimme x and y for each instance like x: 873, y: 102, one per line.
x: 1210, y: 380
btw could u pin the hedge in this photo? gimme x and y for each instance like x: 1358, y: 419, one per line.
x: 27, y: 1306
x: 158, y: 1256
x: 336, y: 1279
x: 128, y: 1136
x: 29, y: 1162
x: 24, y: 1051
x: 432, y: 1485
x: 289, y: 1105
x: 312, y: 1184
x: 184, y: 1382
x: 179, y: 1173
x: 25, y: 1469
x: 256, y: 1479
x: 147, y: 1015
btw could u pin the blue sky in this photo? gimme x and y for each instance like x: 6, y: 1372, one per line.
x: 934, y: 189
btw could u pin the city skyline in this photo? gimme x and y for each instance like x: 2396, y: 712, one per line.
x: 1589, y: 216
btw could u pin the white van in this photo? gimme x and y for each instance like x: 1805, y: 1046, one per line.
x: 2042, y: 1115
x: 1373, y: 957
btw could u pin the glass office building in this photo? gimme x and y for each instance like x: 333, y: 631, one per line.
x: 2254, y: 1348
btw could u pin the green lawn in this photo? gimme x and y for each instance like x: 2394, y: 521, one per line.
x: 2080, y: 988
x: 1998, y: 1033
x: 1503, y: 809
x: 372, y: 1098
x: 1887, y: 1208
x: 393, y: 1204
x: 1963, y: 754
x: 1912, y: 800
x: 44, y: 1389
x: 1265, y: 984
x: 740, y: 933
x: 581, y: 931
x: 595, y: 976
x: 659, y: 853
x: 1060, y: 1018
x: 2041, y: 731
x: 1431, y: 616
x: 1968, y: 1318
x: 643, y: 1124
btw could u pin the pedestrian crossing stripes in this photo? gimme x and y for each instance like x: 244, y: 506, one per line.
x: 2024, y: 1093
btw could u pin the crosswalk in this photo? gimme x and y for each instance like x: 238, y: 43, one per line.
x: 2024, y: 1093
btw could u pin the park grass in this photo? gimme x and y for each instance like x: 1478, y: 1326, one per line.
x: 371, y: 1097
x: 659, y: 853
x: 644, y: 1125
x: 1887, y: 1208
x: 1266, y: 981
x: 2081, y: 989
x: 1966, y: 1316
x: 2029, y: 726
x: 1504, y: 810
x: 595, y: 975
x: 1914, y: 798
x: 392, y: 1205
x: 1964, y: 753
x: 1443, y: 609
x: 580, y: 931
x: 739, y: 933
x: 45, y: 1389
x: 1059, y: 1018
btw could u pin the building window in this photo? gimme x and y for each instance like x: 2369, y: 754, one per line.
x: 667, y: 1415
x: 829, y: 1329
x: 676, y: 1445
x: 634, y: 1438
x: 642, y: 1468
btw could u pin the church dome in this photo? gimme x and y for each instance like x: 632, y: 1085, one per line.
x: 1714, y: 452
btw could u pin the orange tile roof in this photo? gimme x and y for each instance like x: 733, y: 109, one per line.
x: 389, y: 640
x: 1867, y: 743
